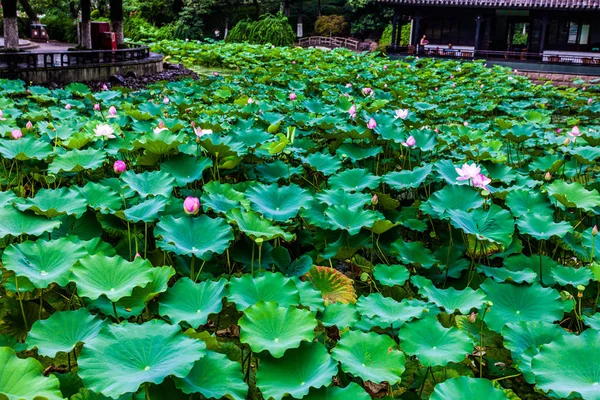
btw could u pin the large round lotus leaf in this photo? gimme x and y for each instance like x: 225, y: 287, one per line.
x: 450, y: 299
x: 467, y: 388
x: 215, y: 376
x: 192, y: 302
x: 391, y: 275
x: 351, y: 219
x: 256, y: 227
x: 334, y: 286
x: 113, y: 277
x: 146, y: 211
x: 16, y: 223
x: 569, y: 364
x: 512, y: 303
x: 63, y: 331
x: 341, y: 197
x: 408, y: 179
x: 273, y: 172
x: 123, y: 357
x: 248, y: 290
x: 370, y: 356
x: 325, y: 163
x: 52, y: 203
x: 505, y: 274
x: 389, y: 310
x: 355, y: 153
x: 340, y: 315
x: 572, y: 276
x: 309, y: 366
x: 494, y: 224
x: 453, y: 197
x: 526, y: 202
x: 266, y: 326
x: 23, y: 379
x: 352, y: 391
x: 25, y: 148
x: 101, y: 197
x: 432, y: 343
x: 186, y: 169
x: 43, y: 262
x: 521, y: 266
x: 221, y: 197
x: 278, y: 203
x: 542, y: 227
x: 414, y: 253
x: 201, y: 236
x: 155, y: 183
x: 77, y: 161
x: 524, y: 339
x: 160, y: 143
x: 354, y: 180
x: 574, y: 195
x: 309, y: 296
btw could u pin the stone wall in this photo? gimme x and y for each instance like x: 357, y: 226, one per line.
x: 557, y: 79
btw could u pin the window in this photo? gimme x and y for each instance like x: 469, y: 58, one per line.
x: 585, y: 34
x: 573, y: 29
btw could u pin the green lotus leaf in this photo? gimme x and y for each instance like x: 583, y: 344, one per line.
x: 25, y: 148
x: 101, y: 197
x: 340, y: 315
x: 526, y: 202
x: 352, y: 391
x: 357, y: 180
x: 350, y: 219
x: 155, y: 183
x: 123, y: 357
x: 113, y: 277
x: 569, y: 364
x: 309, y: 366
x: 524, y: 339
x: 593, y: 321
x: 450, y: 299
x: 513, y: 303
x: 146, y: 211
x: 43, y: 262
x: 452, y: 197
x: 414, y: 253
x: 200, y: 236
x: 63, y: 331
x: 276, y: 171
x: 334, y: 286
x: 162, y: 142
x: 521, y: 266
x: 192, y: 302
x: 495, y: 224
x: 215, y: 376
x: 341, y: 197
x: 278, y: 203
x: 256, y: 227
x: 324, y: 163
x: 355, y: 152
x: 370, y: 356
x: 248, y: 290
x: 186, y: 169
x: 389, y: 310
x: 574, y: 195
x: 77, y: 161
x: 220, y: 197
x: 283, y: 261
x: 309, y: 296
x: 432, y: 343
x: 16, y: 223
x: 24, y: 379
x: 464, y: 387
x: 267, y: 326
x: 54, y: 202
x: 408, y: 179
x: 542, y: 227
x: 571, y: 276
x: 391, y: 275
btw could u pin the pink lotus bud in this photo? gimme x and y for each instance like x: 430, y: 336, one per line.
x: 104, y: 87
x: 112, y: 111
x: 436, y: 89
x: 410, y: 142
x: 465, y: 123
x: 595, y: 230
x: 348, y: 85
x: 161, y: 124
x: 583, y: 88
x: 374, y: 200
x: 165, y: 100
x: 68, y: 106
x: 558, y: 130
x: 292, y: 96
x: 454, y: 85
x: 352, y: 111
x: 293, y: 62
x: 191, y: 205
x: 215, y: 74
x: 385, y: 67
x: 481, y: 86
x: 29, y: 125
x: 590, y: 101
x: 547, y: 176
x: 451, y: 76
x: 193, y: 124
x: 119, y: 166
x: 472, y: 317
x: 17, y: 134
x: 137, y: 255
x: 372, y: 124
x: 385, y: 85
x: 567, y: 141
x: 346, y: 95
x: 96, y: 107
x: 436, y: 130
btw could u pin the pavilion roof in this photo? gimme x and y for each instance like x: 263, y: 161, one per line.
x: 507, y: 4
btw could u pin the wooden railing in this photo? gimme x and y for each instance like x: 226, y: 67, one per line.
x: 329, y: 42
x: 61, y: 59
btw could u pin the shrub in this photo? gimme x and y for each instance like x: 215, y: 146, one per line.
x: 60, y: 26
x: 240, y: 32
x: 138, y: 29
x: 331, y: 25
x: 386, y: 37
x: 273, y: 29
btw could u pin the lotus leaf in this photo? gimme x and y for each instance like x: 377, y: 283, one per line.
x: 247, y: 290
x: 465, y: 387
x: 155, y: 183
x: 16, y: 223
x: 278, y: 203
x: 333, y: 285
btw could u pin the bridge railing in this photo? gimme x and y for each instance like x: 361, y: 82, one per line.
x: 329, y: 42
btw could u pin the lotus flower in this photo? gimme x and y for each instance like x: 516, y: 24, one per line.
x: 97, y: 107
x: 104, y: 87
x: 481, y: 86
x: 215, y: 74
x: 292, y: 96
x: 201, y: 132
x: 119, y: 166
x: 454, y: 85
x: 68, y: 106
x: 481, y: 181
x: 29, y: 125
x: 112, y: 112
x: 161, y: 127
x: 352, y: 111
x: 2, y: 119
x: 385, y: 85
x: 583, y: 88
x: 348, y: 85
x: 436, y: 89
x: 465, y: 123
x: 558, y: 130
x: 16, y: 134
x: 451, y: 76
x: 402, y: 114
x: 104, y: 130
x: 374, y: 200
x: 574, y: 133
x: 595, y: 230
x: 367, y: 91
x: 410, y: 142
x: 385, y: 67
x: 372, y: 124
x: 165, y: 100
x: 293, y: 62
x: 467, y: 172
x: 191, y: 205
x: 250, y: 101
x: 548, y: 176
x: 590, y: 101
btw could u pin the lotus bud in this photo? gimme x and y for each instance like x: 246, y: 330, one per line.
x: 548, y: 176
x: 250, y: 101
x: 567, y: 141
x: 472, y: 317
x: 29, y: 125
x: 112, y: 111
x: 161, y: 124
x: 583, y: 88
x: 436, y: 89
x: 165, y: 100
x: 68, y: 107
x: 595, y: 230
x: 374, y: 200
x: 590, y: 101
x: 17, y: 134
x: 215, y: 74
x: 454, y: 85
x: 119, y: 166
x: 137, y: 255
x: 372, y: 124
x: 293, y: 62
x: 104, y: 87
x: 191, y: 205
x: 292, y: 96
x: 96, y: 107
x: 558, y: 130
x: 465, y: 123
x: 481, y: 86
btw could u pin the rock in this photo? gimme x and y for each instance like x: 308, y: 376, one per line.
x: 118, y: 79
x: 373, y: 46
x: 52, y: 85
x: 131, y: 74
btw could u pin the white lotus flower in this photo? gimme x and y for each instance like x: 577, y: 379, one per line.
x: 104, y: 130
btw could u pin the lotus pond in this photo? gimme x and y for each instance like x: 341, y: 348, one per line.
x: 309, y: 225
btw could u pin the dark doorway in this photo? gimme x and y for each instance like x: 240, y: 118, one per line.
x: 518, y: 36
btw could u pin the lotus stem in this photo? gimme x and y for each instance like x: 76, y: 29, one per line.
x: 200, y: 271
x: 41, y: 303
x: 192, y: 267
x: 252, y: 261
x: 260, y: 256
x: 115, y: 311
x: 145, y: 239
x: 21, y: 303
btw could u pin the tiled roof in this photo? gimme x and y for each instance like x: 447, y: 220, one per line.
x: 518, y: 4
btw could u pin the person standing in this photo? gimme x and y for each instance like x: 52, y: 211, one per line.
x: 422, y: 44
x: 217, y: 34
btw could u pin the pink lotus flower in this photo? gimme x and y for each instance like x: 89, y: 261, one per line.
x: 96, y: 107
x: 352, y: 111
x: 292, y: 96
x: 583, y: 88
x: 348, y: 85
x: 367, y: 91
x: 250, y: 101
x: 451, y: 76
x: 215, y: 74
x: 104, y: 87
x: 467, y: 172
x: 29, y: 125
x: 590, y: 101
x: 436, y: 89
x: 410, y: 142
x: 558, y: 130
x: 481, y: 181
x: 372, y: 124
x: 574, y: 133
x: 191, y: 205
x: 16, y: 134
x: 112, y: 112
x: 481, y: 86
x: 165, y: 100
x: 454, y: 85
x: 104, y: 130
x: 201, y: 132
x: 465, y: 123
x: 436, y: 130
x: 374, y: 199
x: 402, y: 114
x: 161, y: 127
x: 119, y: 166
x: 68, y: 106
x: 385, y: 67
x: 346, y: 95
x: 293, y: 62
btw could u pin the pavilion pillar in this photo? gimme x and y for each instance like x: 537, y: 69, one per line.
x: 85, y: 32
x: 116, y: 17
x: 414, y: 34
x: 543, y: 35
x: 394, y: 28
x: 11, y: 26
x: 477, y: 34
